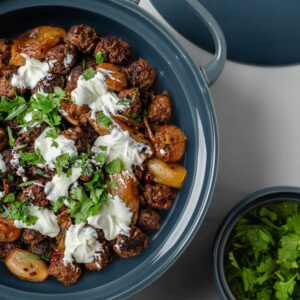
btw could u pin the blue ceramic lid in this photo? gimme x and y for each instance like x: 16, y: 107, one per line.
x: 263, y: 32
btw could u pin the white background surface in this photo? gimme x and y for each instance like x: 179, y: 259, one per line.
x: 258, y: 113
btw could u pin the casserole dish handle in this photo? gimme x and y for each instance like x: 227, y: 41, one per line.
x: 213, y: 69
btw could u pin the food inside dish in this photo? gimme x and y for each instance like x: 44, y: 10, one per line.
x: 87, y: 157
x: 262, y: 254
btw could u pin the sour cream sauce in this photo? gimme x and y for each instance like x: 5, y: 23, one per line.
x: 94, y: 93
x: 59, y: 185
x: 120, y: 145
x: 52, y: 148
x: 2, y: 164
x: 30, y: 74
x: 81, y: 244
x: 114, y: 218
x: 46, y: 222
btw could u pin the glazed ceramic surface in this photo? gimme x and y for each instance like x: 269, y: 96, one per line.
x: 193, y: 112
x: 261, y: 197
x: 257, y: 32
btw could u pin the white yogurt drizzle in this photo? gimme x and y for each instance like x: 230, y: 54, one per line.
x: 2, y: 164
x: 46, y: 222
x: 114, y: 218
x: 2, y: 194
x: 50, y: 151
x: 30, y: 74
x: 95, y: 94
x: 59, y: 185
x: 68, y: 60
x: 120, y: 145
x: 81, y: 244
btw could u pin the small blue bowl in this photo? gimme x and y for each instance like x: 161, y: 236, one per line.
x: 256, y: 199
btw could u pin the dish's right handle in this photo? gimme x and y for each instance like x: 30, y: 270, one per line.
x: 213, y: 69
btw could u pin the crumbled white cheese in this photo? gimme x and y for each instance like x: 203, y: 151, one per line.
x: 68, y: 60
x: 2, y: 164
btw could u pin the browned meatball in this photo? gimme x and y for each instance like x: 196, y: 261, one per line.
x: 30, y: 236
x: 48, y: 84
x: 131, y: 97
x: 3, y: 139
x: 130, y: 245
x: 142, y: 74
x: 148, y: 219
x: 115, y: 50
x: 159, y: 196
x: 169, y: 143
x: 64, y: 220
x: 159, y: 109
x: 61, y: 58
x: 6, y: 248
x: 102, y: 260
x: 66, y: 274
x: 6, y: 88
x: 73, y: 77
x: 29, y: 137
x: 83, y: 37
x: 75, y: 114
x: 35, y: 194
x: 77, y: 135
x: 44, y: 248
x: 5, y: 52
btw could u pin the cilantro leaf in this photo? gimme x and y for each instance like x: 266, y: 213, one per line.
x: 284, y: 289
x: 52, y: 133
x: 11, y: 139
x: 100, y: 57
x: 89, y: 74
x: 104, y: 119
x: 115, y: 166
x: 62, y: 161
x: 58, y: 204
x: 32, y: 158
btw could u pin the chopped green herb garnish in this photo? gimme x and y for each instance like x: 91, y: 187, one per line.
x: 9, y: 198
x: 103, y: 148
x: 27, y: 183
x: 115, y: 166
x: 58, y: 204
x: 89, y: 74
x: 32, y: 158
x: 100, y: 158
x: 104, y: 119
x: 52, y: 133
x: 41, y: 173
x: 11, y: 139
x: 62, y: 161
x: 112, y: 184
x: 19, y: 210
x: 100, y: 57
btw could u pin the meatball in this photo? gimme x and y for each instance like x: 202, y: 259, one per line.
x: 169, y: 143
x: 132, y: 98
x: 142, y: 74
x: 159, y: 109
x: 64, y: 220
x: 102, y: 260
x: 44, y: 248
x: 61, y: 58
x: 115, y: 50
x: 73, y: 77
x: 66, y: 274
x: 5, y: 51
x: 130, y: 245
x: 159, y: 196
x: 83, y: 37
x: 29, y: 137
x: 75, y: 114
x: 77, y: 135
x: 48, y: 84
x: 6, y: 88
x: 31, y: 237
x: 3, y: 139
x: 6, y: 248
x: 35, y: 194
x: 148, y: 219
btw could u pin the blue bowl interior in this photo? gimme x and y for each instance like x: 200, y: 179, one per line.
x: 192, y: 112
x: 259, y: 198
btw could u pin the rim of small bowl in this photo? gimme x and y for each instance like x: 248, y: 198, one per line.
x: 256, y: 199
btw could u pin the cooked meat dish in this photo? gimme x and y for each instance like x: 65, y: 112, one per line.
x: 88, y: 159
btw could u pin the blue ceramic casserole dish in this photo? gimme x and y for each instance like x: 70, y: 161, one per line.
x: 193, y: 112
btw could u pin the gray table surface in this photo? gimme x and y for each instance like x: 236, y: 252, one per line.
x: 258, y: 112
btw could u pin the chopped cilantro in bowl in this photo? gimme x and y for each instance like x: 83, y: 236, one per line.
x: 257, y: 247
